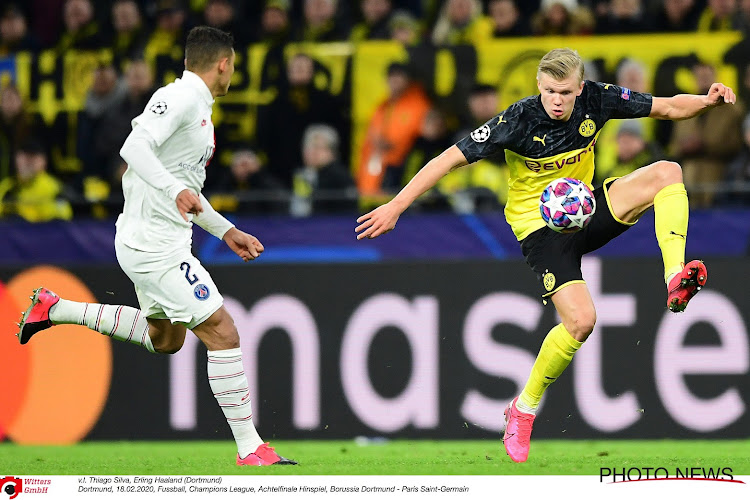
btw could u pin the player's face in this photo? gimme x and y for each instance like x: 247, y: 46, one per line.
x: 225, y: 77
x: 559, y: 96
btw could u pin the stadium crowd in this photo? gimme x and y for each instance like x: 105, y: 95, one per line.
x: 297, y: 157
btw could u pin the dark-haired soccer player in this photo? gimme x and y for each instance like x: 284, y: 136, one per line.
x: 553, y: 135
x: 167, y: 152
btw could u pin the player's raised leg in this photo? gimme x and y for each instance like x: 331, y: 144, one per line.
x: 226, y: 376
x: 576, y: 309
x: 122, y: 323
x: 660, y: 185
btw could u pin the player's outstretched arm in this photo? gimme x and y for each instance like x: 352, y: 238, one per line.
x: 384, y: 218
x: 247, y: 246
x: 684, y: 106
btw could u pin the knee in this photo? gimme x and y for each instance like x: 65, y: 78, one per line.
x: 667, y: 173
x: 581, y: 324
x: 170, y: 346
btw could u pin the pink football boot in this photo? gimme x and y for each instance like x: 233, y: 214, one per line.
x: 685, y: 284
x: 517, y: 432
x: 36, y: 317
x: 264, y: 455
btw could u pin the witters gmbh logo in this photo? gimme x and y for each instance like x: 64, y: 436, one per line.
x: 11, y: 486
x: 633, y: 474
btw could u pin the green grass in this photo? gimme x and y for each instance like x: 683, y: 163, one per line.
x: 392, y: 458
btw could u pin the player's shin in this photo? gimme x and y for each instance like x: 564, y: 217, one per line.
x: 554, y: 356
x: 671, y: 224
x: 123, y: 323
x: 229, y: 385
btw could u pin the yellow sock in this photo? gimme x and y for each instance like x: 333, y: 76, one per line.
x: 555, y: 355
x: 671, y: 221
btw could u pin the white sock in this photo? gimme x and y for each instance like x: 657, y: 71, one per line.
x: 229, y: 385
x: 526, y: 408
x: 119, y: 322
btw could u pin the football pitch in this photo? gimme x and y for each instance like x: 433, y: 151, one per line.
x: 400, y: 457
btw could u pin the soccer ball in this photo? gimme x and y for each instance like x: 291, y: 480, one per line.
x: 567, y: 205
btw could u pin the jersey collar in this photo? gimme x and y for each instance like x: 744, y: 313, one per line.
x: 198, y: 84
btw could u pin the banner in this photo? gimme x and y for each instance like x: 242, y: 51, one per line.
x: 418, y: 350
x: 55, y: 87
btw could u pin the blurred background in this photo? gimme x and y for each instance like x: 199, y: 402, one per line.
x: 334, y: 106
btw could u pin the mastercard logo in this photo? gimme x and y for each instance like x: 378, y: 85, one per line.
x: 55, y: 387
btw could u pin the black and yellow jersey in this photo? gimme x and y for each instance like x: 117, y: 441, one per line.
x: 539, y: 149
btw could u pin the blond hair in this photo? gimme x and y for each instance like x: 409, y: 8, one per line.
x: 560, y: 64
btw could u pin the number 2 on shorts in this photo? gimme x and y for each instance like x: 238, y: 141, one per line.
x: 190, y: 279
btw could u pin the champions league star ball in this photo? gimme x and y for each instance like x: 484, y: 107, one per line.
x: 567, y: 205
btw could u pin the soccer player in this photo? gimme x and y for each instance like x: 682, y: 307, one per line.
x: 553, y: 135
x: 167, y: 152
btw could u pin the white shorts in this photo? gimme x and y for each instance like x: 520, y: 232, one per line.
x: 174, y: 286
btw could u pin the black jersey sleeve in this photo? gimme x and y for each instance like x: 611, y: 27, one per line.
x: 620, y: 102
x: 493, y: 137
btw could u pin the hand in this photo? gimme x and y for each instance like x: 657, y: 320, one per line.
x: 245, y: 245
x: 188, y: 203
x: 720, y: 94
x: 380, y: 221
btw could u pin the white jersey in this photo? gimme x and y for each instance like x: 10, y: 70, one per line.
x: 178, y: 118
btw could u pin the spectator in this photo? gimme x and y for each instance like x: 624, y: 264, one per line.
x: 483, y: 104
x: 630, y: 74
x: 107, y: 92
x: 706, y: 143
x: 274, y: 33
x: 404, y: 28
x: 677, y: 15
x: 33, y: 194
x: 719, y: 15
x: 14, y: 32
x: 275, y: 22
x: 743, y: 17
x: 433, y: 140
x: 632, y: 152
x: 623, y: 16
x: 393, y: 129
x: 320, y: 23
x: 738, y: 171
x: 169, y: 32
x: 485, y: 185
x: 461, y: 22
x: 562, y: 17
x: 298, y: 105
x: 377, y: 15
x: 107, y: 140
x: 507, y: 20
x: 15, y: 128
x: 222, y: 14
x: 81, y: 29
x: 129, y: 37
x: 248, y: 187
x: 323, y: 184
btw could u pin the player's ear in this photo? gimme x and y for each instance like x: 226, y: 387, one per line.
x: 580, y: 88
x: 223, y: 63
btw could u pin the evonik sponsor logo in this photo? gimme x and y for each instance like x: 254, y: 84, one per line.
x: 635, y: 474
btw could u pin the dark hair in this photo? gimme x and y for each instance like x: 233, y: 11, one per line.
x: 205, y: 46
x: 483, y: 88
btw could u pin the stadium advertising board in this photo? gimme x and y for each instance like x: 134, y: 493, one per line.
x: 429, y: 349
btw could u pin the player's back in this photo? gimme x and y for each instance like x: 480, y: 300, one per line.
x: 178, y: 120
